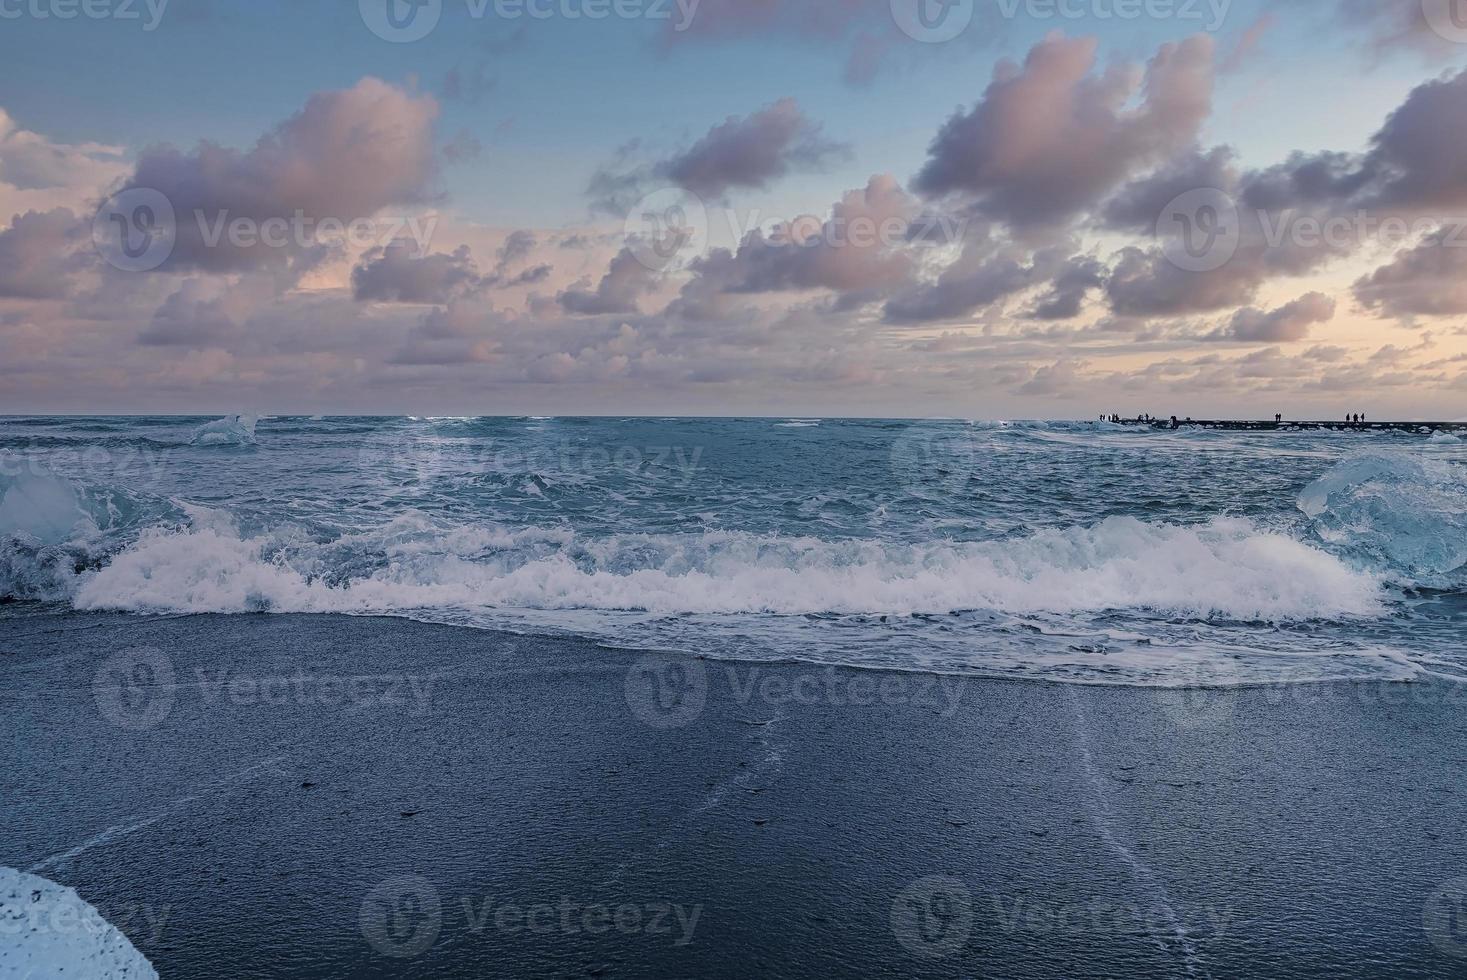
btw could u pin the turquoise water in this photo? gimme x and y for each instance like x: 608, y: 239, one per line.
x: 1064, y: 550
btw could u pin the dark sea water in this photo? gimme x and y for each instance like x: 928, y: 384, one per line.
x: 1065, y: 551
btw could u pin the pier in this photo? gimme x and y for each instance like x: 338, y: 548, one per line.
x: 1237, y: 425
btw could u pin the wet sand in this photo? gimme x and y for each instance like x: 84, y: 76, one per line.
x: 320, y: 796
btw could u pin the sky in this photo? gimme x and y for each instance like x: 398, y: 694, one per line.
x: 969, y: 208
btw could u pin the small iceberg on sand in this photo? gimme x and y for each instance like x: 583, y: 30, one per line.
x: 51, y: 932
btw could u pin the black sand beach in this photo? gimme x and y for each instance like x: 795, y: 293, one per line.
x: 298, y: 796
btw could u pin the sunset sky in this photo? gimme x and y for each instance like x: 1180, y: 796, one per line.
x: 734, y: 207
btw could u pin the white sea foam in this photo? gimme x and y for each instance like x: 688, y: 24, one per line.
x: 1228, y: 569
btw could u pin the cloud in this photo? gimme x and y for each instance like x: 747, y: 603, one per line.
x: 1246, y: 46
x: 1415, y: 160
x: 1049, y: 139
x: 1069, y: 289
x: 345, y: 156
x: 626, y: 281
x: 1427, y: 280
x: 394, y: 275
x: 1062, y: 378
x: 862, y: 248
x: 990, y: 271
x: 1412, y: 170
x: 1287, y: 324
x: 752, y: 151
x: 207, y: 310
x: 36, y: 254
x: 1413, y: 165
x: 741, y: 153
x: 982, y: 275
x: 29, y: 161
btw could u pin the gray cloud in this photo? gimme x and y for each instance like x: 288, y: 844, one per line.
x: 345, y: 156
x: 394, y: 275
x: 848, y: 253
x: 1287, y: 324
x: 1069, y: 288
x: 1049, y: 139
x: 741, y: 153
x: 625, y: 282
x: 1427, y: 280
x: 36, y: 254
x: 752, y: 151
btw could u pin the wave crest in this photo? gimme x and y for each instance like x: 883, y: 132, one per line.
x: 1228, y: 568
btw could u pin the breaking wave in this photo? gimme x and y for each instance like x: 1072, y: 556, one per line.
x: 1228, y: 569
x: 1123, y: 595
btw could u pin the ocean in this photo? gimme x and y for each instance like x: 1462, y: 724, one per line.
x: 1064, y: 551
